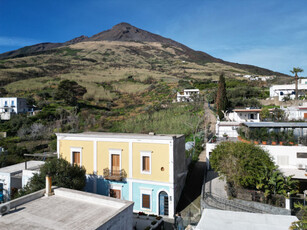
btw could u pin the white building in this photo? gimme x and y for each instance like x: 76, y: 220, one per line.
x: 282, y: 91
x: 258, y: 78
x: 187, y: 95
x: 227, y: 128
x: 12, y: 177
x: 67, y: 209
x: 295, y: 112
x: 245, y: 115
x: 12, y: 105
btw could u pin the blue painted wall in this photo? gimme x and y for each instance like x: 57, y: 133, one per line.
x: 104, y: 185
x: 137, y: 195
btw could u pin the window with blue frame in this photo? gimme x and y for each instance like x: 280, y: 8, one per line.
x: 5, y: 103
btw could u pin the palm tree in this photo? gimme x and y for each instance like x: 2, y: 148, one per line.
x: 296, y: 70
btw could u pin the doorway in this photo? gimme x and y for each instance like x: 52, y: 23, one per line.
x: 115, y: 166
x: 163, y: 203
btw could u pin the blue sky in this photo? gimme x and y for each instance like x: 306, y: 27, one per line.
x: 267, y: 33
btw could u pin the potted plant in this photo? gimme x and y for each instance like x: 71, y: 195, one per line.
x: 291, y: 137
x: 273, y: 136
x: 281, y: 137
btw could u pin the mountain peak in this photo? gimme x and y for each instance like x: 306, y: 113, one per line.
x: 121, y: 25
x: 123, y: 32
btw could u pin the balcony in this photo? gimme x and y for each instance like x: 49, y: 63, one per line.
x: 117, y: 175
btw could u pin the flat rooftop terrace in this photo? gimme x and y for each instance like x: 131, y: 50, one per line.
x: 66, y: 209
x: 121, y: 135
x: 31, y: 165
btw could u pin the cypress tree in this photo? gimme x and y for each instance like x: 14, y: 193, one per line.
x: 221, y: 102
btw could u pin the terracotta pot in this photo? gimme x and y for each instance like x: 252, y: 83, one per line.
x: 280, y: 142
x: 264, y: 142
x: 256, y: 142
x: 291, y: 143
x: 273, y: 142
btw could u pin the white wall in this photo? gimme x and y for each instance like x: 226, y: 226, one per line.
x: 286, y: 156
x: 244, y: 116
x: 222, y: 128
x: 5, y: 179
x: 294, y: 113
x: 27, y: 175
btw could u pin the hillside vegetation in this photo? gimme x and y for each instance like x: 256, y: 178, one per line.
x: 130, y: 77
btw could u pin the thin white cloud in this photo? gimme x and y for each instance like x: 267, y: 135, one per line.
x: 13, y: 41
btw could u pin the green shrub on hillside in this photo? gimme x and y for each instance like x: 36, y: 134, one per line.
x: 174, y: 120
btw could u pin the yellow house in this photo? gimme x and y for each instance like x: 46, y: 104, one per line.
x: 147, y: 169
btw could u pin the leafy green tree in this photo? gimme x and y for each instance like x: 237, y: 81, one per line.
x: 240, y: 163
x: 264, y: 113
x: 302, y: 223
x: 295, y: 71
x: 279, y: 115
x: 63, y: 174
x: 221, y: 101
x: 274, y: 182
x: 249, y: 166
x: 70, y: 91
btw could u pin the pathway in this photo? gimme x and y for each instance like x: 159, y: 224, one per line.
x: 189, y: 203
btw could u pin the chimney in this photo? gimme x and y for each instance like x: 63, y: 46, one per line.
x: 48, y: 186
x: 26, y: 165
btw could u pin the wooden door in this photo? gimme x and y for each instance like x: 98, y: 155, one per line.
x: 305, y: 115
x: 115, y: 163
x: 115, y: 193
x: 76, y: 158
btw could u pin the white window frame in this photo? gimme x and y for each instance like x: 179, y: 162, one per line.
x: 115, y: 152
x: 146, y: 154
x: 75, y: 149
x: 117, y: 187
x: 146, y: 191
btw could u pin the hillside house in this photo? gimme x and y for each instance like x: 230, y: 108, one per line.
x: 12, y: 105
x: 295, y: 113
x: 188, y: 95
x: 149, y: 170
x: 16, y: 176
x: 245, y: 115
x: 282, y: 91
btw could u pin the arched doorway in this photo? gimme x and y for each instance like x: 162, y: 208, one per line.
x: 163, y: 203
